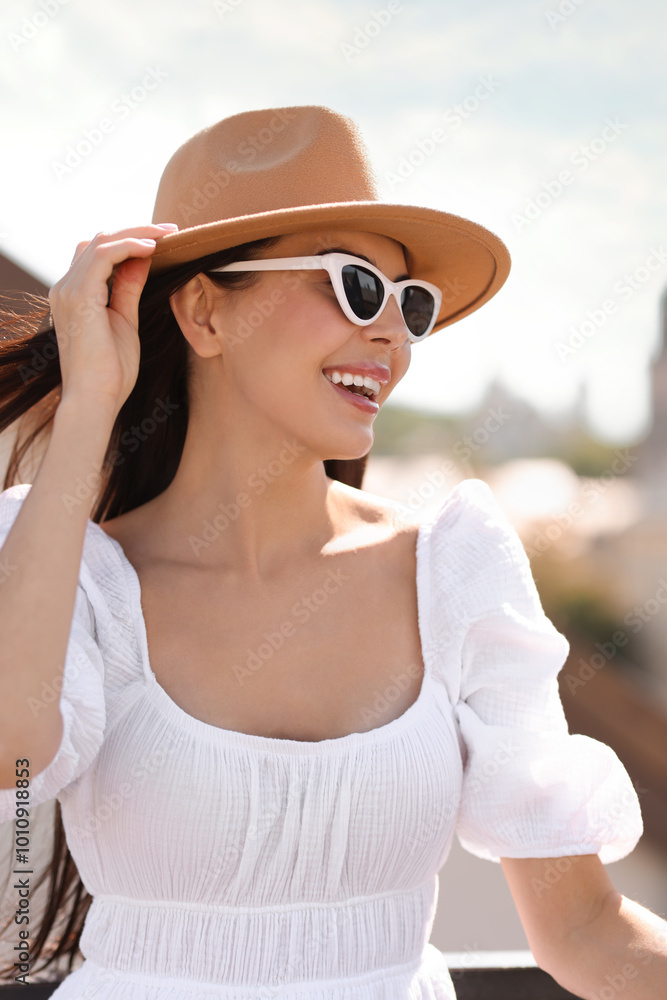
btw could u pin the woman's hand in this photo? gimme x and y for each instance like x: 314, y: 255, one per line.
x: 98, y: 343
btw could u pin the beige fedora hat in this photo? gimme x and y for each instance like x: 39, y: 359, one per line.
x: 278, y: 171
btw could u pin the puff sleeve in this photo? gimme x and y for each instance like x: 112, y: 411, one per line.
x: 82, y: 704
x: 530, y: 788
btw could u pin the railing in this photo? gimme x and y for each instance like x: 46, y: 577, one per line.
x: 502, y: 975
x: 495, y: 976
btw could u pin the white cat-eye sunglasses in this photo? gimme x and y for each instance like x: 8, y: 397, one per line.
x: 361, y: 289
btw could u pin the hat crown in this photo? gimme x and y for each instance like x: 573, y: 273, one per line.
x: 278, y: 171
x: 265, y: 160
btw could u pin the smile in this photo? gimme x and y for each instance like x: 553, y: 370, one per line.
x: 362, y: 384
x: 361, y: 396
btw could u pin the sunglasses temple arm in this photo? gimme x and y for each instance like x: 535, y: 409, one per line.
x: 276, y: 264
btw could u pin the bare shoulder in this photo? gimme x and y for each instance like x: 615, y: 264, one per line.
x: 362, y: 520
x: 377, y: 514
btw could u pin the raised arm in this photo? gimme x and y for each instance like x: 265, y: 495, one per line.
x: 98, y: 349
x: 584, y: 933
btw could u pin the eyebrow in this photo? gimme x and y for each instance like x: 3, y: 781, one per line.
x: 363, y: 256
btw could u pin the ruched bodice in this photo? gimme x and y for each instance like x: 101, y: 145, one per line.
x: 238, y: 866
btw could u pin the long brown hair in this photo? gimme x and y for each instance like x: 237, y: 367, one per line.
x: 136, y: 468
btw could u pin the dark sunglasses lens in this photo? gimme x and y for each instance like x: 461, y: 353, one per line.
x: 363, y: 289
x: 417, y: 305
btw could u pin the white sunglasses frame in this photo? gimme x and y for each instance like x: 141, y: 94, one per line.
x: 333, y: 263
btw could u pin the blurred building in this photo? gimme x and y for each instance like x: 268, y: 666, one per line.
x: 635, y: 556
x: 652, y: 464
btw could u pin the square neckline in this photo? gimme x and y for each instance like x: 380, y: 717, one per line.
x: 172, y: 710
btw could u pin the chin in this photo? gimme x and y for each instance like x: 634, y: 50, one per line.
x: 324, y: 435
x: 347, y: 451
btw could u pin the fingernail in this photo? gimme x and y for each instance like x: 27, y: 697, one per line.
x: 149, y: 243
x: 168, y: 225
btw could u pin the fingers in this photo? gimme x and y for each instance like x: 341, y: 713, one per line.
x: 86, y: 283
x: 95, y: 260
x: 127, y: 287
x: 150, y: 230
x: 80, y: 247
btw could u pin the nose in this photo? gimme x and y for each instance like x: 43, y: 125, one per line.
x: 389, y: 325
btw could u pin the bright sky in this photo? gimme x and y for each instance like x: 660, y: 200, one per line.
x: 569, y: 89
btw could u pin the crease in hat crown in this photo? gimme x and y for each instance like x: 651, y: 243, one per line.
x: 266, y: 160
x: 277, y: 171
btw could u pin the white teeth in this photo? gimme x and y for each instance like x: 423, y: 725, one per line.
x: 362, y: 380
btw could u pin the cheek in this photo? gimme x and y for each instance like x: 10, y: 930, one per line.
x: 401, y: 365
x: 308, y: 326
x: 280, y: 342
x: 276, y: 366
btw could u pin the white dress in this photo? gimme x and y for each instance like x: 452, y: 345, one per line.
x: 235, y: 866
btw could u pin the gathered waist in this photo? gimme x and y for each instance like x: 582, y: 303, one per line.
x: 426, y: 979
x: 261, y: 948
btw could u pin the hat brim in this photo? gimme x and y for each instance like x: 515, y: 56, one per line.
x: 469, y: 263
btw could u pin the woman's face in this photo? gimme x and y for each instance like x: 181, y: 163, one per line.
x: 277, y: 338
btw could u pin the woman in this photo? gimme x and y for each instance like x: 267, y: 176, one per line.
x: 260, y: 806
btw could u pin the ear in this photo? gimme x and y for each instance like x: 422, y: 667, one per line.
x: 194, y: 307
